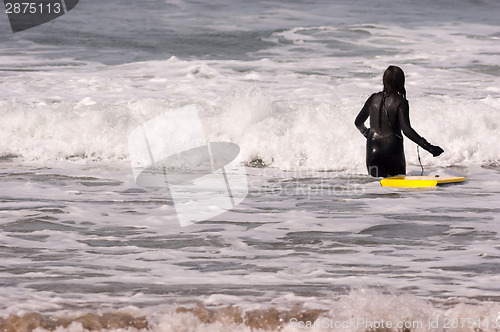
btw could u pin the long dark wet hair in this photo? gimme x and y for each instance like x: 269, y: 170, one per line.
x: 394, y: 81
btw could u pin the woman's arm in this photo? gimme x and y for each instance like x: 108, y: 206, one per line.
x: 404, y: 122
x: 362, y: 116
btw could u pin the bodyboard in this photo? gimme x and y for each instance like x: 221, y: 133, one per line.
x: 419, y: 181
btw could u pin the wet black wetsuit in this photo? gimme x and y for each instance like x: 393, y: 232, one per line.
x: 384, y: 146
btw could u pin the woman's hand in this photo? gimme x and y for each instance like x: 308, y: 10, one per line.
x: 433, y: 149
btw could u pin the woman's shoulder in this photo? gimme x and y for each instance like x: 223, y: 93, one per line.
x: 398, y: 99
x: 376, y: 96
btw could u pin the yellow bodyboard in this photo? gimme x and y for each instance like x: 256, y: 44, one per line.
x: 419, y: 181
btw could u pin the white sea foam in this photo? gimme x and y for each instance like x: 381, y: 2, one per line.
x: 312, y: 127
x: 288, y: 114
x: 360, y: 310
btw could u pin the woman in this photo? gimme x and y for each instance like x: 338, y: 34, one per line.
x: 389, y: 114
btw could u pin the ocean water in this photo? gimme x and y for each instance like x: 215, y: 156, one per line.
x: 317, y: 244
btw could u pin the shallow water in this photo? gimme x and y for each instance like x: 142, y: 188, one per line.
x: 85, y: 238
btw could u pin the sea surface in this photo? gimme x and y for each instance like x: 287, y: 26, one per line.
x: 315, y: 244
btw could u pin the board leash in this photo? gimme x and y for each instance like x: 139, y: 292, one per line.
x: 420, y: 161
